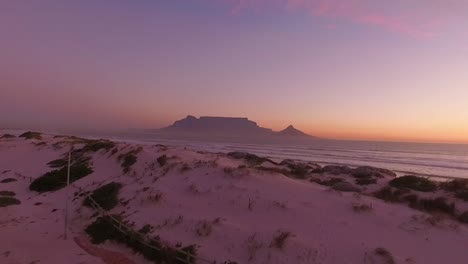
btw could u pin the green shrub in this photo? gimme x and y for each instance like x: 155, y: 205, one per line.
x: 57, y: 179
x: 31, y: 135
x: 103, y: 229
x: 7, y: 193
x: 105, y: 196
x: 7, y: 201
x: 414, y: 183
x: 299, y: 172
x: 162, y: 160
x: 7, y: 180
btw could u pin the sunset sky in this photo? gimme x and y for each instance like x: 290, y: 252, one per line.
x: 356, y: 69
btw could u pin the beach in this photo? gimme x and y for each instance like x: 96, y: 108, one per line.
x: 233, y: 207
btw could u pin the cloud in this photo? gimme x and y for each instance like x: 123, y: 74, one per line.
x: 418, y: 18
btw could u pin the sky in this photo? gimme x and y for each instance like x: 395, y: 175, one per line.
x: 357, y: 69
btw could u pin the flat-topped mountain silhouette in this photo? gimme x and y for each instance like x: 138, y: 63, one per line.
x: 224, y: 129
x: 237, y: 125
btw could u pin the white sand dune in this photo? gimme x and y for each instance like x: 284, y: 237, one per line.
x: 230, y: 210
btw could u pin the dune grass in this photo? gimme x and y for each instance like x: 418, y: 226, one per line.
x: 105, y: 196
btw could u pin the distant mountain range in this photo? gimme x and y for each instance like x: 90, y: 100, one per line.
x: 238, y: 129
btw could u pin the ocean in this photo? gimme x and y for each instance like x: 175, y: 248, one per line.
x: 423, y: 159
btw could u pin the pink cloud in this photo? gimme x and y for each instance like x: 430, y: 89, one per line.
x: 421, y: 19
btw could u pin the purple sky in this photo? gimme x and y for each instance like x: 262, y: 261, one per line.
x: 356, y: 69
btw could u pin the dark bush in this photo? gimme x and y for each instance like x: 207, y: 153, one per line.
x: 328, y: 182
x: 58, y: 163
x: 299, y: 172
x: 105, y: 196
x: 7, y: 201
x: 7, y: 193
x: 96, y: 145
x: 366, y: 181
x: 463, y: 217
x: 251, y: 159
x: 7, y: 180
x: 414, y: 183
x: 336, y: 170
x: 411, y: 199
x: 128, y: 160
x: 462, y: 195
x: 103, y: 229
x: 7, y: 136
x: 389, y: 194
x: 457, y: 185
x: 162, y: 160
x: 369, y: 172
x: 57, y: 179
x: 438, y: 204
x: 31, y: 135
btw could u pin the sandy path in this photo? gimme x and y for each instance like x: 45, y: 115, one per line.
x: 107, y: 256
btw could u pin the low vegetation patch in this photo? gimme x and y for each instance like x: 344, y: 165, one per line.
x: 31, y: 135
x: 6, y: 136
x: 386, y: 256
x: 97, y: 145
x: 7, y: 193
x: 162, y: 160
x: 414, y: 183
x: 390, y: 194
x: 154, y: 250
x: 366, y: 181
x: 127, y: 160
x: 7, y: 180
x: 327, y: 182
x: 7, y: 201
x: 280, y: 239
x: 438, y: 204
x: 361, y: 207
x: 57, y: 179
x: 251, y: 159
x: 463, y: 217
x: 105, y: 196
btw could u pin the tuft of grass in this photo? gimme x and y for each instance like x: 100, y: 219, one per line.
x: 280, y: 239
x: 462, y: 195
x: 7, y: 193
x: 31, y: 135
x: 105, y: 196
x: 361, y: 207
x: 129, y: 159
x: 7, y: 180
x: 414, y: 183
x: 162, y: 160
x: 8, y: 201
x: 146, y: 229
x: 458, y: 185
x: 385, y: 255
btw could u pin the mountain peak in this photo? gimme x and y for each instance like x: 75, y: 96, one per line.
x: 292, y: 132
